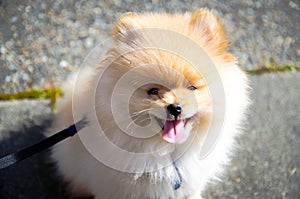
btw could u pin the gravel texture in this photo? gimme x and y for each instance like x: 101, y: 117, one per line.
x: 41, y: 42
x: 266, y: 165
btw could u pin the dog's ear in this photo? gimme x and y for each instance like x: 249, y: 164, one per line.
x: 204, y: 21
x: 126, y: 23
x: 212, y: 31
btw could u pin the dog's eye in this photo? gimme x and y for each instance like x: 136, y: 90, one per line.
x: 152, y: 91
x: 192, y: 88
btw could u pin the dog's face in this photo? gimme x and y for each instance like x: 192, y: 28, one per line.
x: 175, y: 97
x: 177, y: 110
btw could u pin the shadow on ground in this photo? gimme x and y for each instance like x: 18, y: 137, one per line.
x: 34, y: 177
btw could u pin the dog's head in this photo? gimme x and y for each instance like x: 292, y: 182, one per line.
x: 168, y: 89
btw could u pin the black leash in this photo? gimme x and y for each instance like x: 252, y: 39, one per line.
x: 13, y: 158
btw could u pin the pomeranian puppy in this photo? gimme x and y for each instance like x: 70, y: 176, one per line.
x: 164, y: 105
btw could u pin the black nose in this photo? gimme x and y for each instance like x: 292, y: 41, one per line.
x: 174, y: 109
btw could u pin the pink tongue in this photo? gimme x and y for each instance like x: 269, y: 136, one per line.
x: 174, y: 131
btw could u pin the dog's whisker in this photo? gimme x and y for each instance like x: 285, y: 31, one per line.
x: 135, y: 120
x: 131, y: 123
x: 140, y: 112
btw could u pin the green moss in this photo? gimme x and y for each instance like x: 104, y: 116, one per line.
x: 273, y: 67
x: 48, y: 93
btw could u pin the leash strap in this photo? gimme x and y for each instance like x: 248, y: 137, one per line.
x: 178, y: 182
x: 13, y: 158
